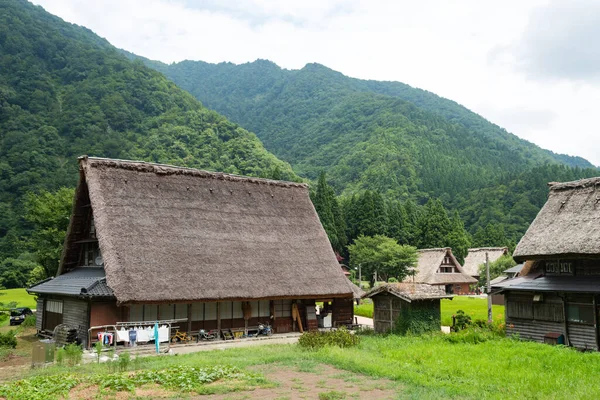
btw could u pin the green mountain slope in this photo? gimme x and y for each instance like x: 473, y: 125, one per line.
x: 384, y: 136
x: 65, y: 92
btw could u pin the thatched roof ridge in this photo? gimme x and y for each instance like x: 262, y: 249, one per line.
x: 567, y: 225
x: 476, y: 257
x: 358, y: 292
x: 429, y: 262
x: 170, y: 234
x: 166, y: 169
x: 410, y: 291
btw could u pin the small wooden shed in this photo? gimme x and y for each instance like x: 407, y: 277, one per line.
x: 395, y: 300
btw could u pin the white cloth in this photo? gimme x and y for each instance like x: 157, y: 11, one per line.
x: 163, y: 334
x: 123, y: 336
x: 142, y: 335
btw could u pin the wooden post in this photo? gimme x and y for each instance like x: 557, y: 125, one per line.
x: 565, y: 323
x: 489, y: 287
x: 360, y: 276
x: 189, y: 317
x: 219, y: 318
x: 596, y: 322
x: 391, y: 313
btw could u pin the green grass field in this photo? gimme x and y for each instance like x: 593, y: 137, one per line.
x: 20, y: 296
x: 473, y: 306
x: 426, y: 367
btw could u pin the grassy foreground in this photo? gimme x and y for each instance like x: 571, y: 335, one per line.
x: 424, y: 367
x: 474, y: 306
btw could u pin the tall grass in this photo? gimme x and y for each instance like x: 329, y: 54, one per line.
x: 426, y: 367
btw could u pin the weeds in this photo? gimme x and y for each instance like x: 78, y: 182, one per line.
x: 339, y: 337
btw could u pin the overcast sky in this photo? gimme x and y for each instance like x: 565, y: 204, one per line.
x: 530, y: 66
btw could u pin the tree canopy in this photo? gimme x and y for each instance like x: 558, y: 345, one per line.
x: 382, y: 255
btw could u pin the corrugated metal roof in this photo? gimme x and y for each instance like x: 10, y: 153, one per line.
x: 89, y: 281
x: 514, y: 270
x: 582, y: 284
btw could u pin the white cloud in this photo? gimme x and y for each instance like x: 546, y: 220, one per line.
x: 487, y: 56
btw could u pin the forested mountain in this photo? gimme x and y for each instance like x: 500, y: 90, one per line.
x: 402, y: 142
x: 65, y: 92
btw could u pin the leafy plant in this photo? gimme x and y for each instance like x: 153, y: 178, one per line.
x: 461, y: 321
x: 316, y: 339
x: 29, y: 321
x: 124, y: 361
x: 98, y: 347
x: 417, y: 322
x: 60, y: 356
x: 73, y: 354
x: 8, y: 339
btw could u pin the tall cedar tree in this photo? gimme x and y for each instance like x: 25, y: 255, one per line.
x: 330, y: 214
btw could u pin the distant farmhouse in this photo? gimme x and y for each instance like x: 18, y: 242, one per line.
x: 555, y: 298
x: 150, y: 242
x: 439, y: 267
x: 476, y: 257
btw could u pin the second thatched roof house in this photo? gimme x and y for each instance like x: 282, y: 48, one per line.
x: 556, y: 297
x: 476, y: 257
x: 439, y: 267
x: 150, y: 242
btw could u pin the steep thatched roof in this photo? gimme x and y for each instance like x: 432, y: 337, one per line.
x: 409, y: 291
x: 429, y: 262
x: 358, y: 292
x: 170, y: 234
x: 476, y: 257
x: 568, y: 224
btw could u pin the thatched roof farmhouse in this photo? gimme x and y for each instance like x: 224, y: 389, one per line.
x: 555, y: 298
x: 164, y: 237
x: 438, y: 266
x: 476, y: 257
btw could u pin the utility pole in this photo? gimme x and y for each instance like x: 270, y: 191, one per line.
x: 359, y: 276
x: 489, y: 287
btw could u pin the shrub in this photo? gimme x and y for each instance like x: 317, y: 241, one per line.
x: 461, y: 320
x: 29, y: 321
x: 339, y: 337
x: 392, y: 280
x: 365, y: 331
x: 98, y: 350
x: 8, y: 340
x: 417, y: 322
x: 73, y: 354
x: 60, y: 356
x: 124, y: 361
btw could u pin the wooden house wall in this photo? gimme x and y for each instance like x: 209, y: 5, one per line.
x: 104, y: 313
x: 386, y: 311
x: 533, y: 320
x: 343, y: 311
x: 39, y: 311
x: 75, y: 314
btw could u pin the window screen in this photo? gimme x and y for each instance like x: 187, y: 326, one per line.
x: 264, y: 308
x: 198, y: 312
x: 237, y: 310
x: 166, y: 311
x: 225, y: 310
x: 54, y: 306
x: 210, y: 311
x: 283, y: 308
x: 181, y: 311
x: 150, y: 312
x: 136, y: 312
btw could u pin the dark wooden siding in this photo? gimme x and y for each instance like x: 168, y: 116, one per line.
x: 582, y: 336
x: 343, y: 311
x: 387, y: 310
x: 75, y: 314
x: 39, y: 313
x: 533, y: 320
x: 532, y: 330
